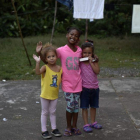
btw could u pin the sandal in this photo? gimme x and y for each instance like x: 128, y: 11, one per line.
x: 76, y: 131
x: 96, y: 125
x: 87, y: 128
x: 67, y: 133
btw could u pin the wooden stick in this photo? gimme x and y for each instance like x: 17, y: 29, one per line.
x: 54, y: 21
x: 86, y: 32
x: 20, y: 31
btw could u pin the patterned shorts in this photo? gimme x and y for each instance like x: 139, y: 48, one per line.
x: 72, y: 100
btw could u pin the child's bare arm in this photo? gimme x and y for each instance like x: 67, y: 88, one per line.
x: 38, y: 50
x: 37, y: 68
x: 94, y: 65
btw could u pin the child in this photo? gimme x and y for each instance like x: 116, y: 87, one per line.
x: 71, y: 79
x: 90, y: 92
x: 50, y: 81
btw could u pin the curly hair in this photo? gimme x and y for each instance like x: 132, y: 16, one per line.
x: 46, y: 48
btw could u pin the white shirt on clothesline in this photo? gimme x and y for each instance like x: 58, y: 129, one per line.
x: 88, y: 9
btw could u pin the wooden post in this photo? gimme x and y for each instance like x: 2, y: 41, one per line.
x: 54, y: 21
x: 86, y: 31
x: 20, y: 31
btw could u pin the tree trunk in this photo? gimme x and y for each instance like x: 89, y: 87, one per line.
x: 20, y: 32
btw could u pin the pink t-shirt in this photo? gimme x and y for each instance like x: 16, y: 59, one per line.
x: 71, y: 76
x: 89, y: 78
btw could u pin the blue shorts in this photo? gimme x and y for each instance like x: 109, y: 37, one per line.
x: 72, y: 100
x: 89, y: 97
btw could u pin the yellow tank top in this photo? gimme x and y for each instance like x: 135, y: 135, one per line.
x: 50, y: 84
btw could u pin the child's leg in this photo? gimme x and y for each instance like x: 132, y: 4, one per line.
x: 74, y: 129
x: 76, y: 97
x: 92, y: 114
x: 75, y: 118
x: 84, y: 104
x: 72, y: 111
x: 44, y: 113
x: 52, y: 110
x: 69, y: 109
x: 94, y: 103
x: 94, y: 124
x: 69, y: 119
x: 85, y: 116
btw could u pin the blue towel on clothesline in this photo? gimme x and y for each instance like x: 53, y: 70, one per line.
x: 68, y: 3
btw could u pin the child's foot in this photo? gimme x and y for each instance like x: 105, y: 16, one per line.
x: 67, y: 133
x: 76, y: 131
x: 96, y: 125
x: 56, y: 133
x: 46, y: 135
x: 87, y: 128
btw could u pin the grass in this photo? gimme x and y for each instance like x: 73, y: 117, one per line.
x: 117, y: 53
x: 112, y: 52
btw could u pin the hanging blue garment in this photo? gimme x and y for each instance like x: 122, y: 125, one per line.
x: 68, y: 3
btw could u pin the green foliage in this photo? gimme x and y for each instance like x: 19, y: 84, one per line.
x: 36, y: 18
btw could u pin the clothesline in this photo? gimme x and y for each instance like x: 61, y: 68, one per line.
x: 120, y: 4
x: 36, y: 11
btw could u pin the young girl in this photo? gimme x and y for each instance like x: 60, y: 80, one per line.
x: 50, y: 81
x: 71, y: 79
x: 90, y: 92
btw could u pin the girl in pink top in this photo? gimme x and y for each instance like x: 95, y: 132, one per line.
x: 71, y: 77
x: 90, y: 91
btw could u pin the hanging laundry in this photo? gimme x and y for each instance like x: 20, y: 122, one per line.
x: 88, y: 9
x: 68, y: 3
x: 136, y: 19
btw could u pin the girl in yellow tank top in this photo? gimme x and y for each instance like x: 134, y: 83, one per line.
x: 50, y: 81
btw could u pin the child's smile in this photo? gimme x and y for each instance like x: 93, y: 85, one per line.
x: 73, y: 36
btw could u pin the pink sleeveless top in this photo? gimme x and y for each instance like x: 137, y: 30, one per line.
x: 89, y: 78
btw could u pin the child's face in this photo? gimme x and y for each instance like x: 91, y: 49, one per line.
x: 73, y: 37
x: 87, y: 52
x: 51, y: 57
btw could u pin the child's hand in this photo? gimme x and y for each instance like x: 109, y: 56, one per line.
x: 37, y: 59
x: 90, y: 59
x: 96, y: 58
x: 39, y: 47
